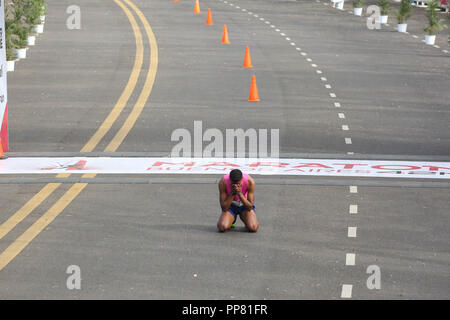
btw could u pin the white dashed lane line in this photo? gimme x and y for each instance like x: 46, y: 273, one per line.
x: 353, y: 209
x: 346, y: 291
x: 351, y: 232
x: 350, y: 258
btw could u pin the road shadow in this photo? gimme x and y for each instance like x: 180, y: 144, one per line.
x: 178, y: 227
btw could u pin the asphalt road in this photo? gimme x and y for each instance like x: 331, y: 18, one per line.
x: 159, y: 241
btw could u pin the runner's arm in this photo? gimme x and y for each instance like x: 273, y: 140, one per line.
x: 248, y: 203
x: 225, y: 200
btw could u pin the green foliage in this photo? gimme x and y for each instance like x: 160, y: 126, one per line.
x: 385, y: 7
x: 358, y: 3
x: 11, y: 54
x: 20, y: 18
x: 404, y: 13
x: 434, y: 23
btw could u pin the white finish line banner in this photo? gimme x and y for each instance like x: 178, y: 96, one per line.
x: 291, y: 167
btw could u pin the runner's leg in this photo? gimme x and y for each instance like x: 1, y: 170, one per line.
x: 225, y: 221
x: 250, y: 220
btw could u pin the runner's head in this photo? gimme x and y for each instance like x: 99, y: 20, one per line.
x: 235, y: 176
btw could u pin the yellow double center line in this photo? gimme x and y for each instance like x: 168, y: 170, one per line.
x: 23, y: 240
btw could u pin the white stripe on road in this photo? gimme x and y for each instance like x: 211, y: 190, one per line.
x: 346, y: 291
x: 353, y: 209
x: 350, y: 259
x: 259, y: 166
x: 351, y: 232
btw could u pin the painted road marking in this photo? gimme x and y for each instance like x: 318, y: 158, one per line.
x: 353, y: 209
x: 351, y: 232
x: 337, y: 104
x: 132, y: 81
x: 346, y: 291
x: 353, y: 189
x: 148, y: 85
x: 350, y: 259
x: 23, y: 212
x: 23, y: 240
x: 20, y: 243
x: 341, y: 116
x: 263, y: 166
x: 33, y: 203
x: 348, y: 140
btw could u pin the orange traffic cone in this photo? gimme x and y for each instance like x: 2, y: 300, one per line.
x: 2, y: 154
x: 247, y: 59
x: 225, y: 35
x: 209, y: 18
x: 253, y: 91
x: 197, y: 7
